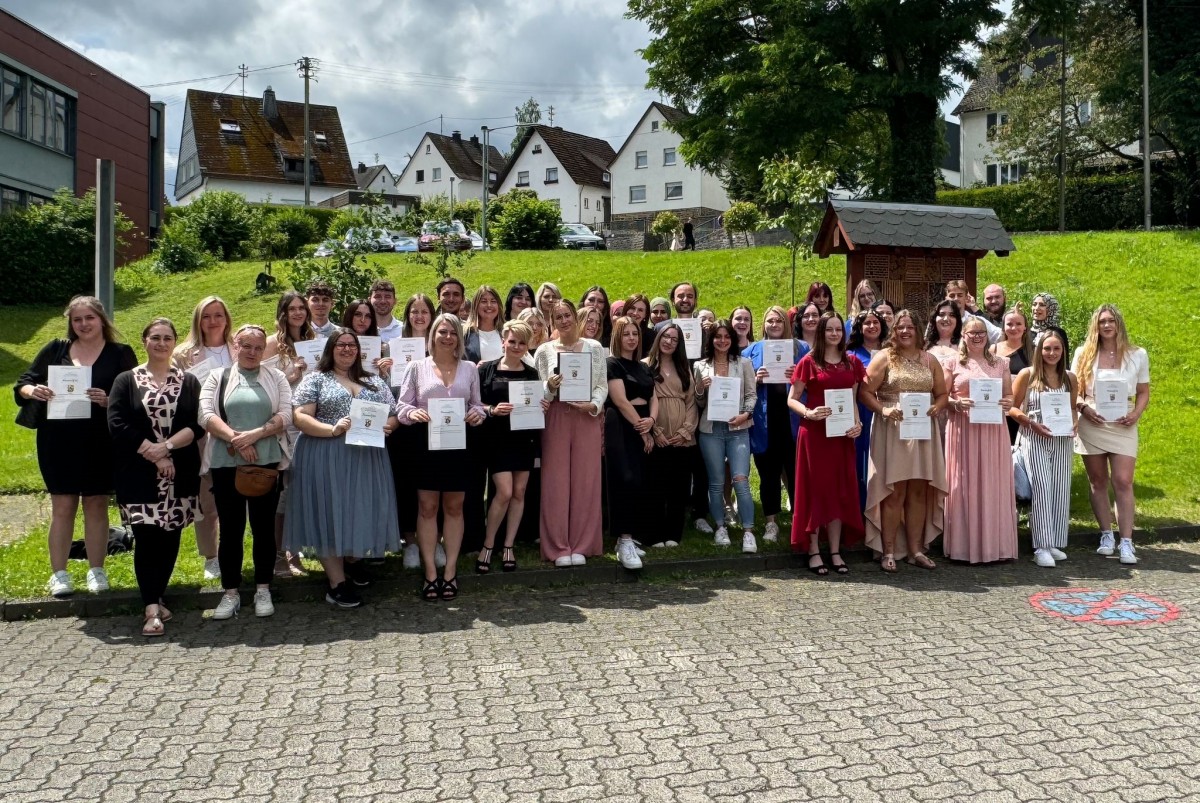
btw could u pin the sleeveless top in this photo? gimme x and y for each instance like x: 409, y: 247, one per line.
x: 904, y: 376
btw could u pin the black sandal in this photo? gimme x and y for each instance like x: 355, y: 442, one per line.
x: 432, y: 590
x: 820, y: 570
x: 483, y: 564
x: 509, y: 564
x: 840, y: 568
x: 450, y: 589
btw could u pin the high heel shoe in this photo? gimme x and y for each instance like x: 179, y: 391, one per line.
x: 483, y: 564
x: 820, y: 570
x: 509, y: 562
x: 450, y: 589
x: 840, y: 568
x: 432, y: 590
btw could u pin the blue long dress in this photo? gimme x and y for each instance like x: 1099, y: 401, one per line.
x: 862, y: 444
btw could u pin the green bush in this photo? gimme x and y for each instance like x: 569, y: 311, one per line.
x: 321, y: 215
x: 1093, y: 203
x: 527, y: 224
x: 48, y: 252
x: 665, y: 223
x: 342, y: 222
x: 742, y: 216
x: 298, y: 227
x: 223, y: 221
x: 180, y: 249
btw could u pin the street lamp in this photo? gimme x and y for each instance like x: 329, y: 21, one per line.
x: 487, y: 179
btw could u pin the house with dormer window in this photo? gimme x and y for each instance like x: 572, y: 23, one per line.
x: 449, y: 166
x: 255, y: 147
x: 570, y: 170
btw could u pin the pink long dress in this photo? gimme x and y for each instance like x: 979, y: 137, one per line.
x: 981, y: 510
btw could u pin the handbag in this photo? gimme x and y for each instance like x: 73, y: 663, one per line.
x: 1021, y: 483
x: 247, y: 480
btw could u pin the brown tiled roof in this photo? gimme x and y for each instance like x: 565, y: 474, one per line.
x: 670, y: 113
x: 369, y: 175
x: 980, y: 95
x: 465, y: 156
x: 585, y: 158
x: 258, y: 151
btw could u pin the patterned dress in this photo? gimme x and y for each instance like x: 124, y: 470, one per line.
x: 169, y: 512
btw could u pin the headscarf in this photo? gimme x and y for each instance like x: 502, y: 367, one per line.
x: 659, y: 301
x: 1052, y: 312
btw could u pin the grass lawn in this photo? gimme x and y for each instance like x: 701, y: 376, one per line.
x: 1142, y: 273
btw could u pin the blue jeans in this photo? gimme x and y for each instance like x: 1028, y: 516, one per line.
x: 717, y: 447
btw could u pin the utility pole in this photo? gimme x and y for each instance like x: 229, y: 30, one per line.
x: 1146, y: 113
x: 441, y: 130
x: 307, y: 67
x: 243, y: 71
x: 552, y: 117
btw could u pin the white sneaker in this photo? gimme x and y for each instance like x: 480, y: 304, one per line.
x: 262, y: 603
x: 659, y: 545
x: 703, y: 526
x: 627, y: 554
x: 564, y: 562
x: 670, y: 543
x: 721, y: 537
x: 771, y: 532
x: 60, y: 585
x: 229, y: 605
x: 749, y: 545
x: 97, y: 580
x: 1126, y: 549
x: 578, y: 560
x: 1057, y: 554
x: 412, y: 556
x: 1043, y: 558
x: 212, y: 569
x: 439, y: 556
x: 1107, y: 542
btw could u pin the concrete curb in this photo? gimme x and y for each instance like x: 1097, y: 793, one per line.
x: 114, y: 603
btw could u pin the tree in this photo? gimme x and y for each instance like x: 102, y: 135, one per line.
x: 528, y: 113
x: 528, y: 224
x: 223, y: 220
x: 665, y: 223
x: 798, y: 190
x: 820, y: 79
x: 741, y: 217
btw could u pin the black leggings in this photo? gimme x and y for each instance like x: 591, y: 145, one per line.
x: 777, y: 463
x: 154, y: 554
x: 232, y: 510
x: 669, y: 470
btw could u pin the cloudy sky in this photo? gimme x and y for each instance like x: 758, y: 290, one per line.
x: 390, y: 66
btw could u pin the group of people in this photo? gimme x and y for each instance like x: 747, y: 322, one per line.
x: 533, y: 418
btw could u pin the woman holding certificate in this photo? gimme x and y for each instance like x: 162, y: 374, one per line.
x: 981, y: 507
x: 1044, y: 398
x: 153, y: 418
x: 401, y: 443
x: 726, y: 395
x: 1114, y: 383
x: 246, y: 409
x: 906, y: 479
x: 1016, y: 346
x: 827, y: 380
x: 868, y: 333
x: 63, y: 395
x: 207, y: 346
x: 574, y: 371
x: 341, y: 502
x: 674, y: 436
x: 440, y: 395
x: 772, y: 437
x: 360, y: 317
x: 509, y: 439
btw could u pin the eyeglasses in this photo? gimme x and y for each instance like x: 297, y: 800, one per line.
x: 975, y: 335
x: 345, y: 346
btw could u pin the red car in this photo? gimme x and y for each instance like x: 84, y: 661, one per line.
x: 436, y: 232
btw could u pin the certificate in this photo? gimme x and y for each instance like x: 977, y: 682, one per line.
x: 366, y: 423
x: 724, y: 398
x: 986, y: 395
x: 202, y: 369
x: 917, y: 424
x: 370, y: 349
x: 1056, y: 412
x: 1112, y: 398
x: 405, y: 350
x: 576, y: 371
x: 526, y: 401
x: 70, y: 384
x: 447, y: 424
x: 310, y: 351
x: 778, y: 357
x: 840, y: 421
x: 693, y: 335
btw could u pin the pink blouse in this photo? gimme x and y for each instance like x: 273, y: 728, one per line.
x: 420, y: 383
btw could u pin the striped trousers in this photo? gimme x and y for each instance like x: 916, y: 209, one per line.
x: 1050, y: 462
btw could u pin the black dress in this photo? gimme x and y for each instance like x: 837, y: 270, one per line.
x: 1016, y: 363
x: 501, y: 448
x: 625, y: 454
x: 75, y: 456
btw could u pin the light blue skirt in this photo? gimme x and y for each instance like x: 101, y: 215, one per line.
x: 341, y: 500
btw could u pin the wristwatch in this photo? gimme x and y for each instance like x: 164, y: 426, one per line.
x: 170, y: 446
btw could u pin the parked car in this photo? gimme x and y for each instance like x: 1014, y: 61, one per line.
x: 326, y: 248
x: 435, y: 232
x: 476, y: 240
x: 579, y: 237
x: 404, y: 243
x: 377, y: 239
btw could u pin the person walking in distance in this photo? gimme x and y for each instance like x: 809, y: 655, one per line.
x: 689, y: 236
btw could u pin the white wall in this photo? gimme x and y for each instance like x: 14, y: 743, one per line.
x: 699, y: 188
x: 407, y: 184
x: 570, y: 196
x: 385, y: 182
x: 977, y: 152
x: 952, y: 177
x: 263, y: 191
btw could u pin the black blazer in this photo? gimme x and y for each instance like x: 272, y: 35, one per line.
x: 136, y: 477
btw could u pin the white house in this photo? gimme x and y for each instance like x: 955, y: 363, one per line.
x: 978, y: 117
x: 649, y: 176
x: 568, y: 169
x: 255, y: 147
x: 450, y: 166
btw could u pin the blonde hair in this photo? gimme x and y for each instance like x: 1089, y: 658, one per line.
x: 531, y: 313
x: 1091, y: 344
x: 581, y: 316
x: 782, y: 313
x: 452, y: 319
x: 194, y: 338
x: 518, y: 329
x: 541, y: 292
x: 854, y: 306
x: 963, y: 356
x: 614, y: 345
x: 92, y: 303
x: 473, y: 316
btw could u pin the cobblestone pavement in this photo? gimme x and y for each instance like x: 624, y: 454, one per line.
x: 944, y: 685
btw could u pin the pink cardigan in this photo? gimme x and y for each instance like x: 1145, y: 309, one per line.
x: 419, y: 384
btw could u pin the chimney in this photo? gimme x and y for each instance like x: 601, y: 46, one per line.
x: 474, y: 140
x: 362, y: 168
x: 270, y: 110
x: 456, y: 136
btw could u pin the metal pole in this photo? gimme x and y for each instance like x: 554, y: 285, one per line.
x: 484, y: 202
x: 1146, y: 112
x: 307, y: 67
x: 1062, y: 137
x: 106, y: 206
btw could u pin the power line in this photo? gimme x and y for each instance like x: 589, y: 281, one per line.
x: 391, y: 133
x: 214, y: 77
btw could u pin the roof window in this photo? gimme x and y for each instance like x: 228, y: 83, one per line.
x: 231, y: 127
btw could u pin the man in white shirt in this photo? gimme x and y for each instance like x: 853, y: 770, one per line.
x: 956, y: 291
x: 320, y: 302
x: 383, y: 301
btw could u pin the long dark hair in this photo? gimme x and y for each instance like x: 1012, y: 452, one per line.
x: 678, y: 358
x: 418, y: 298
x: 283, y: 332
x: 817, y: 288
x: 735, y: 350
x: 931, y: 332
x: 514, y: 291
x: 820, y: 346
x: 348, y: 317
x: 355, y: 372
x: 856, y: 329
x: 606, y: 324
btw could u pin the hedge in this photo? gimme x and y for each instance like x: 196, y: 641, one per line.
x: 1094, y: 203
x: 322, y: 215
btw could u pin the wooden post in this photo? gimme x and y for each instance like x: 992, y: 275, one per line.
x: 106, y: 208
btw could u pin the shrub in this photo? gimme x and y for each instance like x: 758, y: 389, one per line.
x: 527, y: 224
x: 298, y: 229
x: 180, y: 249
x: 742, y: 216
x: 348, y: 271
x: 223, y: 221
x: 665, y: 223
x: 342, y: 222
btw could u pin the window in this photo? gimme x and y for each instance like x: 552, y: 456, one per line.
x: 585, y: 202
x: 606, y: 177
x: 60, y: 122
x: 420, y: 176
x: 995, y: 120
x: 1004, y: 174
x: 437, y: 174
x: 654, y: 125
x: 551, y: 175
x: 189, y: 169
x: 641, y: 160
x: 10, y: 199
x: 668, y: 157
x: 426, y: 147
x: 1085, y: 112
x: 320, y: 138
x: 537, y: 149
x: 10, y: 102
x: 231, y: 127
x: 38, y: 113
x: 674, y: 190
x: 35, y: 112
x: 523, y: 178
x: 637, y: 195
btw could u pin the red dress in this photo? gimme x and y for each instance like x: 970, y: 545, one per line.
x: 826, y: 480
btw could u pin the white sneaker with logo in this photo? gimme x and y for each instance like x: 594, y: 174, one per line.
x: 262, y: 603
x: 721, y: 538
x: 627, y: 554
x: 771, y: 532
x: 1057, y: 554
x: 97, y: 580
x: 1126, y: 548
x: 60, y: 585
x: 749, y: 545
x: 1107, y: 542
x: 1043, y: 558
x: 229, y: 605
